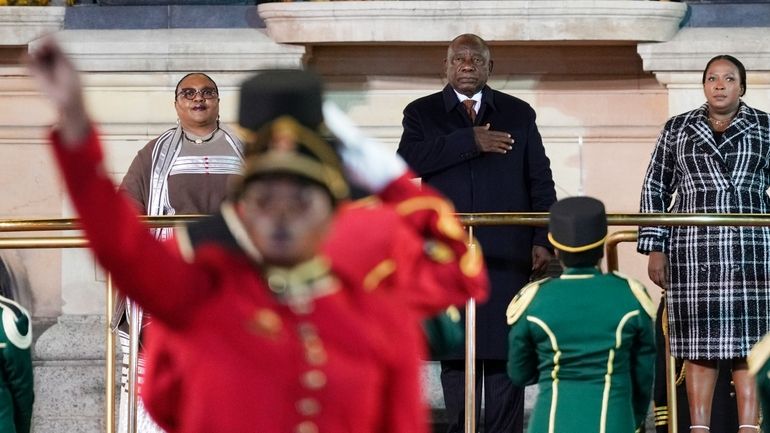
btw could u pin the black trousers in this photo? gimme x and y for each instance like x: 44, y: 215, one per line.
x: 503, y: 402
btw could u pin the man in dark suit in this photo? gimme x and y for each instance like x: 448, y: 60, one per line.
x: 482, y: 149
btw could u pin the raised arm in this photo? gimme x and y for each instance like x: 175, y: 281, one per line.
x: 152, y: 273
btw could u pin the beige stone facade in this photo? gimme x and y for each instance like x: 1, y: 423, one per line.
x: 603, y: 77
x: 578, y: 70
x: 602, y: 89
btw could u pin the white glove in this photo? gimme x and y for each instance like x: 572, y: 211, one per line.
x: 367, y: 163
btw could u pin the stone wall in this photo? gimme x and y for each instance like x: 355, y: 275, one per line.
x: 602, y: 88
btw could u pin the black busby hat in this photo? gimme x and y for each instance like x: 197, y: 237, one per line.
x: 281, y: 92
x: 281, y: 117
x: 577, y: 224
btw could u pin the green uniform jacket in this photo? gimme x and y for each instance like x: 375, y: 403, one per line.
x: 16, y: 393
x: 587, y: 339
x: 760, y: 368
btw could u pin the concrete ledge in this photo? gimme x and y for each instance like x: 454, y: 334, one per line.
x: 399, y: 22
x: 691, y: 48
x: 21, y: 24
x: 176, y: 50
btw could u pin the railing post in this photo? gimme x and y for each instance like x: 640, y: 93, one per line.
x: 671, y: 403
x: 471, y: 220
x: 109, y: 362
x: 470, y: 353
x: 134, y: 327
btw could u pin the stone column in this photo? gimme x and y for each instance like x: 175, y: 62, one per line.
x: 678, y: 64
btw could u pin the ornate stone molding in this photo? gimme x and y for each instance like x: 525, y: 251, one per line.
x: 440, y: 21
x: 678, y: 64
x: 691, y: 48
x: 176, y: 50
x: 21, y: 24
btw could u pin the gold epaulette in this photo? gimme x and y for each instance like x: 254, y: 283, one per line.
x: 522, y: 299
x: 640, y: 293
x: 759, y: 355
x: 447, y: 224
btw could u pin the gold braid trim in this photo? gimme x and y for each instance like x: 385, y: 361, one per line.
x: 447, y: 223
x: 378, y: 274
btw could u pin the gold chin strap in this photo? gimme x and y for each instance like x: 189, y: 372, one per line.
x: 299, y: 285
x: 579, y: 249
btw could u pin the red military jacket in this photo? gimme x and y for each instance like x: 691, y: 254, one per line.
x: 342, y: 356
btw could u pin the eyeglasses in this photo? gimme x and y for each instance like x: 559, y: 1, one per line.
x: 206, y: 93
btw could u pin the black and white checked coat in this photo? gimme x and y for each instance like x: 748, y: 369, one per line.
x: 719, y: 297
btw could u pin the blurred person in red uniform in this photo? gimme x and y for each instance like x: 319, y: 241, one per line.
x: 278, y: 322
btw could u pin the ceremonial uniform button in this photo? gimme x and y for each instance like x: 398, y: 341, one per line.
x: 316, y: 356
x: 308, y: 407
x: 266, y: 322
x: 306, y: 330
x: 314, y: 379
x: 306, y: 427
x: 314, y: 352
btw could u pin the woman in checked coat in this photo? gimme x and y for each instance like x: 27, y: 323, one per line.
x: 714, y: 159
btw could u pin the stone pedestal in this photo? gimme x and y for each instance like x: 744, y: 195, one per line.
x: 678, y: 64
x: 69, y: 360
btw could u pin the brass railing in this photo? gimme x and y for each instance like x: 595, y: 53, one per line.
x: 470, y: 220
x: 40, y: 242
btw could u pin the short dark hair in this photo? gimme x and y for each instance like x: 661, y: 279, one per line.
x: 734, y: 61
x: 179, y: 83
x: 476, y: 38
x: 583, y: 259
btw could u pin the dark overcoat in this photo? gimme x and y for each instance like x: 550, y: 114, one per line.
x: 438, y: 143
x: 719, y: 294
